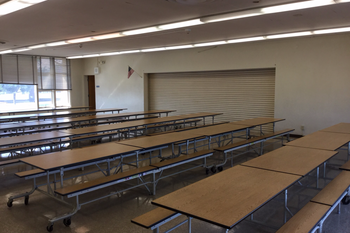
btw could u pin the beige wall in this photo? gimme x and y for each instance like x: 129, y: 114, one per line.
x: 79, y: 84
x: 312, y: 75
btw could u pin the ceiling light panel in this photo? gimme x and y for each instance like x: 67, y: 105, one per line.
x: 92, y: 55
x: 179, y: 47
x: 6, y: 51
x: 12, y: 6
x: 131, y: 51
x: 107, y: 36
x: 140, y: 31
x: 210, y: 43
x: 152, y: 50
x: 246, y: 39
x: 296, y: 6
x: 110, y: 54
x: 57, y: 43
x: 32, y: 1
x: 294, y: 34
x: 181, y: 24
x: 333, y: 30
x: 231, y: 16
x: 80, y: 40
x: 37, y: 46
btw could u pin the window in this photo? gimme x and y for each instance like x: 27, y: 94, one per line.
x: 46, y: 99
x: 48, y: 75
x: 63, y: 99
x: 53, y: 82
x: 14, y: 97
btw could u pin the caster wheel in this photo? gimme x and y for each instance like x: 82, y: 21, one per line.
x: 9, y: 203
x: 207, y: 171
x: 67, y: 222
x: 220, y: 169
x: 49, y: 228
x: 26, y: 200
x: 346, y: 200
x: 213, y: 169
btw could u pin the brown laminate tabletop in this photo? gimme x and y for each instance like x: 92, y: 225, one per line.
x: 159, y: 140
x: 257, y: 121
x: 219, y: 129
x: 136, y: 123
x: 33, y: 138
x: 292, y: 160
x: 338, y: 128
x: 72, y: 157
x: 228, y: 197
x: 322, y: 140
x: 67, y: 120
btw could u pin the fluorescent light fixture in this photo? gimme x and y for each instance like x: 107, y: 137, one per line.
x: 75, y: 57
x: 79, y: 40
x: 107, y: 36
x: 181, y: 24
x: 131, y: 51
x: 152, y: 50
x: 230, y: 16
x: 210, y: 43
x: 21, y: 50
x: 12, y: 6
x: 109, y: 54
x: 246, y: 39
x: 6, y: 51
x: 37, y: 46
x: 295, y: 34
x: 179, y: 47
x: 296, y: 6
x: 32, y: 1
x: 56, y: 43
x: 91, y: 55
x: 140, y: 31
x: 333, y: 30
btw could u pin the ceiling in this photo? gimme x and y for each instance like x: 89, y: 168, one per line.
x: 57, y: 20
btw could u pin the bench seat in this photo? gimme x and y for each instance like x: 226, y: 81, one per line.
x: 153, y: 217
x: 254, y: 140
x: 10, y: 161
x: 334, y: 190
x: 26, y: 146
x: 313, y: 214
x: 101, y: 181
x: 306, y: 219
x: 183, y: 159
x: 29, y: 173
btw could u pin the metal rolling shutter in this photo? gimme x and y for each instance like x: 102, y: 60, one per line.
x: 239, y: 94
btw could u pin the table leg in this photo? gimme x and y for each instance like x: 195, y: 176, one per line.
x: 189, y: 224
x: 285, y: 205
x: 317, y: 176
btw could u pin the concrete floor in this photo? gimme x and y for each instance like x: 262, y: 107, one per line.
x: 113, y: 214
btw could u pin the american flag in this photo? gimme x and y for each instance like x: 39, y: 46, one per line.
x: 130, y: 71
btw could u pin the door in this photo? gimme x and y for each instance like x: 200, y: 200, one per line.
x: 91, y: 92
x: 239, y: 94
